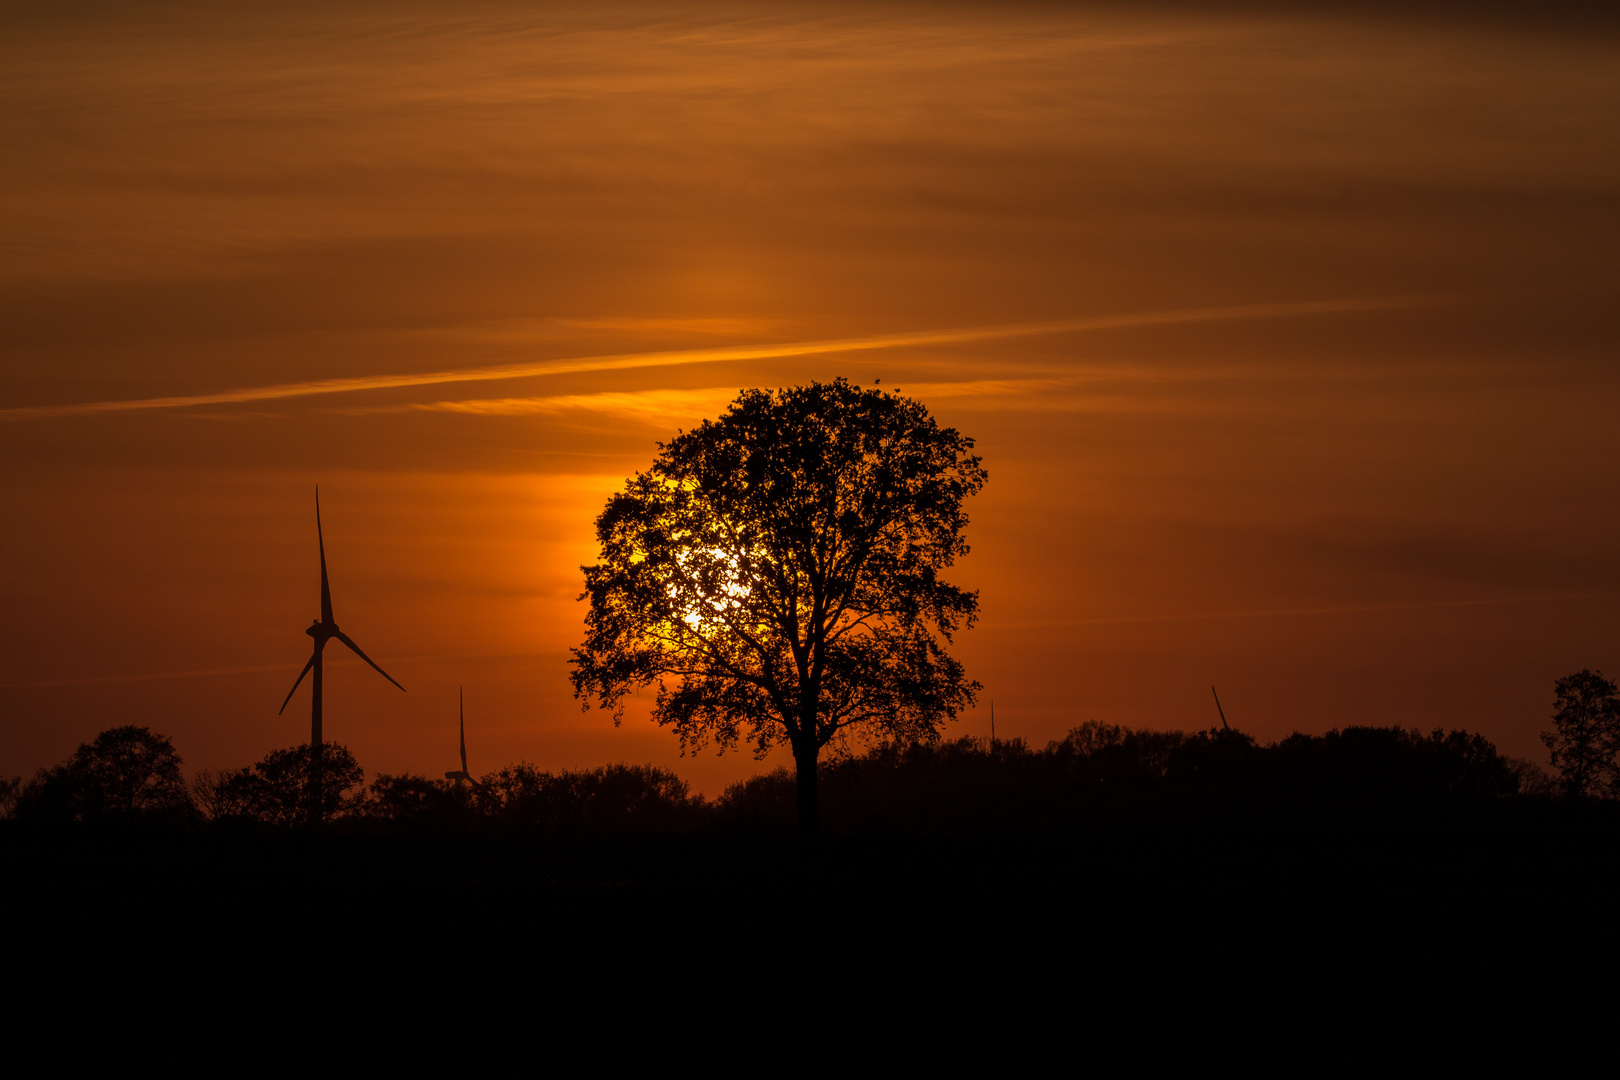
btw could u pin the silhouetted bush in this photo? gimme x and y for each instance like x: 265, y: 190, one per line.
x: 1365, y: 770
x: 1099, y: 775
x: 411, y: 799
x: 1108, y: 754
x: 1532, y: 780
x: 766, y: 801
x: 1102, y: 774
x: 612, y: 798
x: 126, y: 774
x: 275, y: 791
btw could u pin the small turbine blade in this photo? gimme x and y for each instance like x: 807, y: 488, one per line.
x: 1220, y: 710
x: 357, y: 651
x: 326, y: 590
x: 296, y: 683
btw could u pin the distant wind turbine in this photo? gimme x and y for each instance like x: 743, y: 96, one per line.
x: 323, y: 630
x: 458, y: 777
x: 1220, y: 710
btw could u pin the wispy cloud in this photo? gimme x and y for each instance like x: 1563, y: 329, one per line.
x: 531, y: 331
x: 651, y: 405
x: 663, y: 405
x: 982, y: 388
x: 718, y: 354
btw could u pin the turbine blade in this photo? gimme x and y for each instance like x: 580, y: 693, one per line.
x: 357, y: 651
x: 326, y: 590
x: 299, y: 680
x: 461, y: 699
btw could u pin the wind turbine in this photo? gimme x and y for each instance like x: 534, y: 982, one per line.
x: 458, y: 777
x: 1224, y: 725
x: 323, y: 630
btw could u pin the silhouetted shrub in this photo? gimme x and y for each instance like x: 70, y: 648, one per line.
x: 275, y: 791
x: 1363, y: 769
x: 612, y: 798
x: 125, y: 774
x: 1099, y: 775
x: 1111, y: 754
x: 958, y: 786
x: 769, y: 800
x: 1532, y: 780
x: 955, y: 786
x: 418, y: 800
x: 1103, y: 774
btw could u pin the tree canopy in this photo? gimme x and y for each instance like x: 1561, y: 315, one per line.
x: 1584, y: 742
x: 776, y: 573
x: 123, y: 774
x: 276, y: 789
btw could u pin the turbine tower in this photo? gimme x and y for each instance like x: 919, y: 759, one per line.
x: 458, y: 777
x: 323, y: 630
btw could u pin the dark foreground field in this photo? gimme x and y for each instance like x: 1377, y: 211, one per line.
x: 1370, y: 862
x: 1486, y: 897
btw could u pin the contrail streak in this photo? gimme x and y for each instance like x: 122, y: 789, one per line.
x: 718, y: 354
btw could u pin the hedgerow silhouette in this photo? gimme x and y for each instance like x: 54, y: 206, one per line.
x: 1098, y: 775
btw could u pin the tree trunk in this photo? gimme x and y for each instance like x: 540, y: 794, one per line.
x: 805, y: 759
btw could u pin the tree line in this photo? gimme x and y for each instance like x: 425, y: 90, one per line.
x: 1099, y: 774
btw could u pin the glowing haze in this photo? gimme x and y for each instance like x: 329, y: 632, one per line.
x: 1289, y: 342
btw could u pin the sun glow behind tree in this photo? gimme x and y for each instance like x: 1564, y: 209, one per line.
x: 776, y: 575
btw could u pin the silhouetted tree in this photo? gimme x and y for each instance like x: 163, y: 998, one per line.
x: 776, y: 574
x: 1585, y: 737
x: 123, y: 774
x: 275, y: 791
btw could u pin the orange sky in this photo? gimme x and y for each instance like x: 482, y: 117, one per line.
x: 1329, y: 420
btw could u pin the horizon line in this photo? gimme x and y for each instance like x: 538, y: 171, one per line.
x: 719, y: 354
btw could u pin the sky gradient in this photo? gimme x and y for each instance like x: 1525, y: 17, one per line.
x: 1289, y: 343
